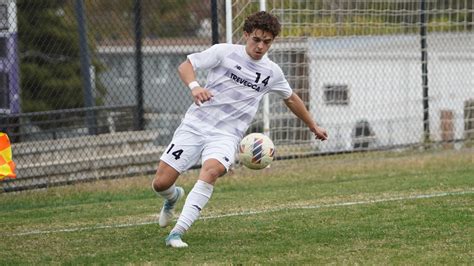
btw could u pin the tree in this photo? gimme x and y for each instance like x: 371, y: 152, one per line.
x: 49, y: 57
x: 113, y: 19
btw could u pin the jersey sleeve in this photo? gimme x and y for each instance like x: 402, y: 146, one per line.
x: 208, y: 58
x: 281, y: 85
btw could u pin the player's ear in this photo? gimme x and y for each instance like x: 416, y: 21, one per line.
x: 246, y: 35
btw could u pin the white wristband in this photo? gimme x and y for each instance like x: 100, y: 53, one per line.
x: 193, y: 84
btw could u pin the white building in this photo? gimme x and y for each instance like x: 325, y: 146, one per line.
x: 376, y: 81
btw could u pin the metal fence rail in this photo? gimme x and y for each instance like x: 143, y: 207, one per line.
x: 57, y: 124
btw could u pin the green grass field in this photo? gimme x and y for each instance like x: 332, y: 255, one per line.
x: 371, y: 208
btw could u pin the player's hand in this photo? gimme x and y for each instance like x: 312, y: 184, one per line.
x: 320, y: 133
x: 201, y: 95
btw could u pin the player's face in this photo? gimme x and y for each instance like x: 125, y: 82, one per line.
x: 257, y: 43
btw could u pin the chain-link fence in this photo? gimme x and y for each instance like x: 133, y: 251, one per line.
x: 89, y: 89
x: 376, y: 74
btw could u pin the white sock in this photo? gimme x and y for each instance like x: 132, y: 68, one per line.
x: 169, y: 193
x: 195, y: 202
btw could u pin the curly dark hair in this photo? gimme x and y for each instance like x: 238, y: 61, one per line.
x: 263, y: 21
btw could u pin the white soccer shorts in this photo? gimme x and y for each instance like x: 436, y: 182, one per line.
x: 187, y: 147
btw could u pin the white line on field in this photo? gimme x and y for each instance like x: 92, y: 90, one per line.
x: 246, y: 213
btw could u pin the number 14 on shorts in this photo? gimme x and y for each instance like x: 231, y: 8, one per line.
x: 175, y: 153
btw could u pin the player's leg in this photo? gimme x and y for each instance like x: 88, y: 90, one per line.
x: 217, y: 158
x: 182, y: 153
x: 196, y: 200
x: 164, y: 186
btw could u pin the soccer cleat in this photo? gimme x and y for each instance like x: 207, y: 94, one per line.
x: 167, y: 212
x: 174, y: 240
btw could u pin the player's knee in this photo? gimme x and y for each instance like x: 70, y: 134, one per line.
x: 159, y: 184
x: 214, y: 172
x: 210, y: 174
x: 165, y: 177
x: 162, y: 182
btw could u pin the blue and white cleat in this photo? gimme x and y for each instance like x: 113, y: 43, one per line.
x: 174, y: 240
x: 167, y: 212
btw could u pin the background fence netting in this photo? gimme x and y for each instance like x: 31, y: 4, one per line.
x: 89, y: 89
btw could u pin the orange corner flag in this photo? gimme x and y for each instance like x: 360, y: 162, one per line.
x: 7, y: 166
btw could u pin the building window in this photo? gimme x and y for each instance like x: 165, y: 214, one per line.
x: 3, y: 17
x: 469, y: 120
x: 363, y: 136
x: 126, y: 68
x: 336, y: 94
x: 3, y: 47
x: 4, y: 91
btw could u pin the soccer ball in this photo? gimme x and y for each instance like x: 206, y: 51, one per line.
x: 256, y: 151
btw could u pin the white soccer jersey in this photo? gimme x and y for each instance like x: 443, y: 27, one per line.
x: 238, y: 83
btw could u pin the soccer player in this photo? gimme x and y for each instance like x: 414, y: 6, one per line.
x: 239, y: 76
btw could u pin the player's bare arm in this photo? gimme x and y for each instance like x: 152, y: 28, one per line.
x: 296, y: 105
x: 188, y: 76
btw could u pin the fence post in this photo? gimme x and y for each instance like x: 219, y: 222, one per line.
x: 85, y: 68
x: 137, y: 10
x: 266, y: 97
x: 228, y: 21
x: 215, y: 25
x: 424, y: 73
